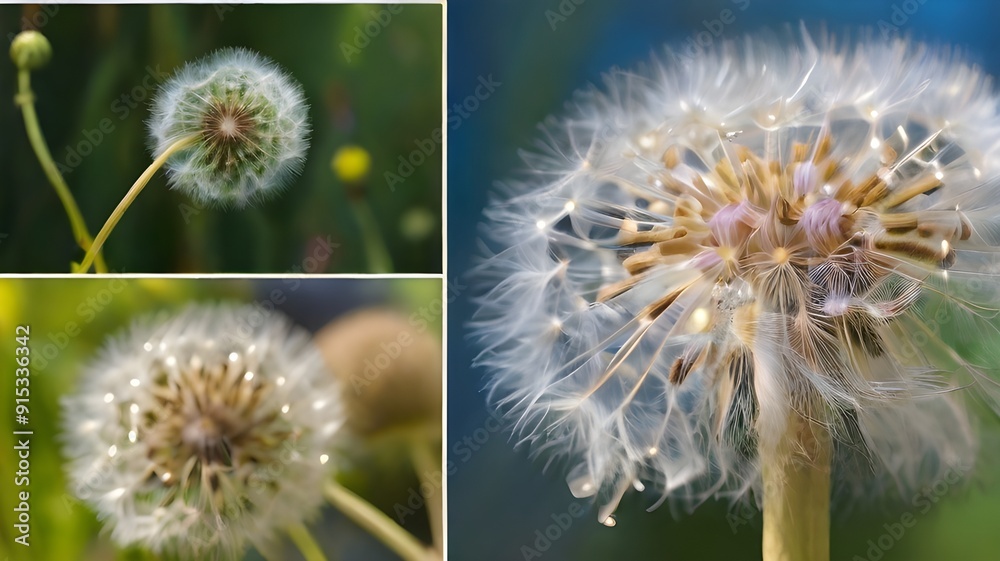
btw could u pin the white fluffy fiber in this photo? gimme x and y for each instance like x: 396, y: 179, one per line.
x: 270, y: 382
x: 547, y: 342
x: 275, y: 149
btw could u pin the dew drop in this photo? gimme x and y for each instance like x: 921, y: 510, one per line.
x: 610, y: 522
x: 323, y: 459
x: 109, y: 397
x: 134, y: 382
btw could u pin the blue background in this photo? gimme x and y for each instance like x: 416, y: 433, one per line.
x: 498, y: 498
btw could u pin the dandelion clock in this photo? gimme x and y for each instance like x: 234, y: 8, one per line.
x: 745, y: 273
x: 250, y: 122
x: 198, y: 434
x: 231, y: 129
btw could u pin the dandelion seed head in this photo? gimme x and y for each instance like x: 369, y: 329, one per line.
x: 800, y: 260
x: 251, y: 123
x: 200, y: 460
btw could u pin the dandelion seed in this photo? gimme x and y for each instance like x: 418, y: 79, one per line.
x: 742, y: 282
x: 196, y: 461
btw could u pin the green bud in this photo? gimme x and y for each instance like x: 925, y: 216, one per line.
x: 30, y: 50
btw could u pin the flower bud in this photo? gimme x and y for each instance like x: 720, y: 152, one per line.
x: 30, y: 50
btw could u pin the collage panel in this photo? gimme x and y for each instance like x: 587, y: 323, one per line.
x: 651, y: 317
x: 252, y: 136
x: 287, y: 418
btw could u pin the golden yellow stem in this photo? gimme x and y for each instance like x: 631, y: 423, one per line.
x: 137, y: 187
x: 797, y: 494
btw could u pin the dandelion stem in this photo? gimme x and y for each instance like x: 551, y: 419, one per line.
x: 137, y: 187
x: 379, y: 260
x: 365, y: 515
x: 307, y: 545
x: 428, y: 466
x: 797, y: 495
x: 25, y: 98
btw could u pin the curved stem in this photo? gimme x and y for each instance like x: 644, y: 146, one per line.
x: 306, y: 543
x: 797, y: 494
x: 378, y: 256
x: 137, y: 187
x: 428, y: 466
x: 365, y: 515
x: 25, y: 98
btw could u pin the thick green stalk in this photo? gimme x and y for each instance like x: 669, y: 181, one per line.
x: 427, y: 463
x: 307, y: 545
x: 373, y: 520
x: 797, y: 494
x: 26, y: 100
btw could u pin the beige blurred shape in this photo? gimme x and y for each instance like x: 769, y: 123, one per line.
x: 389, y: 368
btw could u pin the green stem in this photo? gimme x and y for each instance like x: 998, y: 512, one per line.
x: 306, y: 543
x: 26, y: 100
x: 797, y: 494
x: 137, y: 187
x: 365, y: 515
x: 427, y: 466
x: 379, y: 260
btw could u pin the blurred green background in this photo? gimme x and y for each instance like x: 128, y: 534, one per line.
x: 66, y: 530
x: 372, y: 78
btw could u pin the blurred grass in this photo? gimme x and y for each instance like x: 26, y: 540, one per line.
x: 66, y: 530
x: 383, y: 99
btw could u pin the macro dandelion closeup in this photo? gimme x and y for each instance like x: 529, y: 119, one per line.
x: 223, y: 420
x: 748, y: 274
x: 198, y: 434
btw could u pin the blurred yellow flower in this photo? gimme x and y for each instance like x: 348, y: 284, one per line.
x: 351, y: 163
